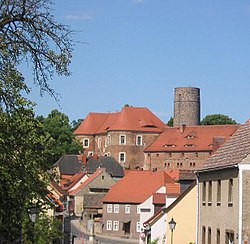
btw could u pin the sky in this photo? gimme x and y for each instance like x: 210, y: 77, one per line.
x: 137, y: 51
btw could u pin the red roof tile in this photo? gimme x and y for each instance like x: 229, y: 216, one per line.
x: 85, y: 183
x: 137, y: 186
x: 74, y: 180
x: 192, y: 138
x: 233, y: 151
x: 128, y: 119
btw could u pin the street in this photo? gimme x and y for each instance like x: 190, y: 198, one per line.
x: 81, y: 237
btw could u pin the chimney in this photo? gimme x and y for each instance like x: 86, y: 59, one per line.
x: 95, y: 156
x: 182, y: 128
x: 84, y: 159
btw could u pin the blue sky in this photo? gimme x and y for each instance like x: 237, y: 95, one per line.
x: 138, y: 51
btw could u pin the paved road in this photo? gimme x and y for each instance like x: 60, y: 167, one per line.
x: 83, y: 238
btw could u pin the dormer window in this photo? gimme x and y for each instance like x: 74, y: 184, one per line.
x: 169, y: 145
x: 190, y: 136
x: 189, y: 145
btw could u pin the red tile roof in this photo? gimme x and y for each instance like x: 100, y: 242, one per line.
x: 85, y: 183
x: 74, y: 180
x: 137, y: 186
x: 58, y: 188
x: 128, y: 119
x: 233, y: 151
x: 192, y: 138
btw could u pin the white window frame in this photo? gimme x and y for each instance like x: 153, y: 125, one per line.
x: 116, y: 208
x: 107, y: 140
x: 109, y: 225
x: 116, y: 225
x: 138, y: 136
x: 122, y: 142
x: 127, y: 209
x: 99, y: 142
x: 122, y: 161
x: 90, y: 153
x: 138, y: 210
x: 138, y: 226
x: 83, y: 142
x: 109, y: 208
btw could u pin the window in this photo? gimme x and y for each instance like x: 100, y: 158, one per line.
x: 218, y: 192
x: 210, y: 192
x: 203, y: 235
x: 145, y: 210
x: 204, y: 193
x: 122, y: 157
x: 138, y: 226
x: 99, y: 142
x: 139, y: 140
x: 85, y: 142
x: 90, y: 153
x: 229, y: 237
x: 109, y: 225
x: 116, y: 208
x: 209, y: 236
x: 230, y: 192
x: 218, y: 236
x: 116, y: 225
x: 127, y: 208
x: 107, y: 140
x: 122, y: 140
x: 109, y: 208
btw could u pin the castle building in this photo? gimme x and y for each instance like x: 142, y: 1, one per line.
x: 186, y: 147
x: 123, y: 135
x: 186, y: 106
x: 137, y: 139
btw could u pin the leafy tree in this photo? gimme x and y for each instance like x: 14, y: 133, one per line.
x: 171, y: 122
x: 41, y: 235
x: 24, y: 150
x: 29, y: 32
x: 58, y: 126
x: 75, y: 123
x: 217, y: 119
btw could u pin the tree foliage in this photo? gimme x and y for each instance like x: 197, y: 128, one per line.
x: 58, y: 126
x: 217, y: 119
x: 171, y: 122
x: 42, y: 235
x: 29, y: 33
x: 24, y: 153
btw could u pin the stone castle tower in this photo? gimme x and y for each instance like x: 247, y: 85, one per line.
x: 186, y: 106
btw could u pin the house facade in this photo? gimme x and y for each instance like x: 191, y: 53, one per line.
x: 224, y: 209
x: 130, y: 201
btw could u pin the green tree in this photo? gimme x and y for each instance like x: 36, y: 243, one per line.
x: 75, y: 123
x: 29, y: 33
x: 217, y: 119
x: 58, y: 126
x: 171, y: 122
x: 42, y: 235
x: 24, y: 153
